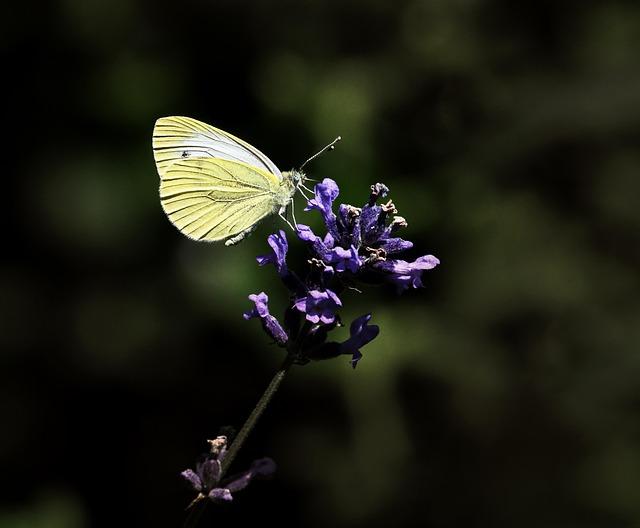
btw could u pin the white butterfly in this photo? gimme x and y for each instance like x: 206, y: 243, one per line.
x: 213, y: 185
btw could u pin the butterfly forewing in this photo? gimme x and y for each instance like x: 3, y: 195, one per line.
x: 177, y: 138
x: 213, y: 199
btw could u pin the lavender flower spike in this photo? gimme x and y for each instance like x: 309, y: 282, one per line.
x: 359, y: 246
x: 269, y: 322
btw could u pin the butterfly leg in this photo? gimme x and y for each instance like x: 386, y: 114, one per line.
x: 300, y: 188
x: 303, y: 186
x: 293, y: 214
x: 281, y: 215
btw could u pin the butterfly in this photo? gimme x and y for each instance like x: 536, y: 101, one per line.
x: 215, y: 186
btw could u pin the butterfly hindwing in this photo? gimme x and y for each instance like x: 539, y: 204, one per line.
x: 214, y: 199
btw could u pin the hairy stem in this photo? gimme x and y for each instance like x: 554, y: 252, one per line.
x: 256, y: 413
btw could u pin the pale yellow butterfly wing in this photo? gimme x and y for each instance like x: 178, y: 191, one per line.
x: 215, y: 199
x: 178, y: 137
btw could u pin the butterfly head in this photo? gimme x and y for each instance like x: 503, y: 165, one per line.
x: 298, y: 177
x: 295, y: 179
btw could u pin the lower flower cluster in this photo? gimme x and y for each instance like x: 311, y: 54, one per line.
x: 360, y: 246
x: 207, y: 478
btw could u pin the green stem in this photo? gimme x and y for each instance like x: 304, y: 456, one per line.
x: 256, y: 413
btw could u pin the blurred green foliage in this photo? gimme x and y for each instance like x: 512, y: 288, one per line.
x: 505, y: 394
x: 50, y: 510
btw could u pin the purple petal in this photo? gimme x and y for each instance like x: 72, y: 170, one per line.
x: 317, y: 295
x: 278, y: 255
x: 319, y: 306
x: 344, y: 259
x: 220, y: 495
x: 327, y: 316
x: 325, y: 193
x: 395, y: 245
x: 329, y: 241
x: 261, y: 307
x: 333, y: 297
x: 269, y: 323
x: 361, y: 334
x: 427, y: 262
x: 407, y: 274
x: 260, y: 468
x: 263, y: 467
x: 307, y: 235
x: 209, y: 472
x: 193, y: 479
x: 301, y: 305
x: 240, y: 481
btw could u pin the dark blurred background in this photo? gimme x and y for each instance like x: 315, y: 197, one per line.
x: 503, y: 394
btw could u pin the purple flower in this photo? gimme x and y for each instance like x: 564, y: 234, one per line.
x: 317, y: 244
x: 325, y: 194
x: 206, y: 478
x: 269, y: 322
x: 407, y: 274
x: 277, y: 257
x: 361, y: 334
x: 341, y: 258
x: 395, y: 245
x: 344, y: 259
x: 319, y: 306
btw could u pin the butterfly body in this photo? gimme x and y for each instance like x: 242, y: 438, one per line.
x: 214, y: 186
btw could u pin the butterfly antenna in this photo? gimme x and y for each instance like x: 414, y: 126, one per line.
x: 330, y: 146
